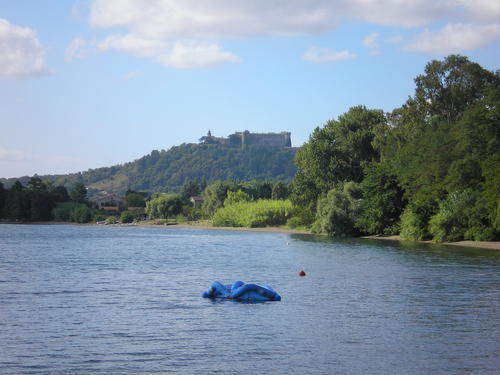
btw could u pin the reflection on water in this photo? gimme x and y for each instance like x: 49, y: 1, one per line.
x: 101, y: 300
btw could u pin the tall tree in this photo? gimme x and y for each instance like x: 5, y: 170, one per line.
x: 337, y: 152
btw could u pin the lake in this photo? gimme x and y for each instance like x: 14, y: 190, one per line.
x: 126, y: 300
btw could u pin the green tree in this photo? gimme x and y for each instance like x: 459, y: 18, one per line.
x: 280, y: 191
x: 79, y: 193
x: 215, y: 194
x: 236, y: 197
x: 382, y: 202
x: 126, y: 217
x: 191, y: 188
x: 41, y: 202
x: 337, y: 152
x: 3, y: 197
x: 164, y: 205
x: 17, y: 204
x: 338, y: 212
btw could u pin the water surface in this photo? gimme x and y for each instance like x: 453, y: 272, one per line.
x: 110, y: 300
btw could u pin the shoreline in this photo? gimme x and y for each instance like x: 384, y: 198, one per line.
x: 487, y: 245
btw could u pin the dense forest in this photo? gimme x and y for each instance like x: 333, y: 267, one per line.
x: 429, y: 169
x: 167, y: 171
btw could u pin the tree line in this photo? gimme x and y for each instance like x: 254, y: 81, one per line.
x: 429, y: 169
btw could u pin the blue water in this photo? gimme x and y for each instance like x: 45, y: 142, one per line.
x: 110, y: 300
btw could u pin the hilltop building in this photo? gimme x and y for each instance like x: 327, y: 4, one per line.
x: 245, y: 138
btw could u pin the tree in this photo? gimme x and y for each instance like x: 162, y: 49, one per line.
x: 280, y: 191
x: 41, y: 202
x: 338, y: 212
x: 164, y: 205
x: 126, y: 217
x: 215, y: 194
x: 17, y: 203
x: 134, y: 199
x: 3, y: 196
x: 79, y: 193
x: 191, y: 188
x: 336, y: 153
x: 382, y: 202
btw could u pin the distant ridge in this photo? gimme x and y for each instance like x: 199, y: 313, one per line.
x: 167, y: 171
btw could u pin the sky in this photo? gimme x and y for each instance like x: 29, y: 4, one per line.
x: 94, y: 83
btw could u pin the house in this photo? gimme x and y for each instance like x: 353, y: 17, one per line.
x: 196, y: 201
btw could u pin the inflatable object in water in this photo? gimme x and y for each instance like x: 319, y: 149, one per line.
x: 242, y: 292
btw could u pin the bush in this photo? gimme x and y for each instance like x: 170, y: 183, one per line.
x: 126, y: 217
x: 462, y: 215
x: 72, y: 211
x: 412, y: 225
x: 111, y: 220
x: 63, y: 211
x: 338, y: 211
x: 264, y: 212
x: 302, y: 217
x: 81, y: 214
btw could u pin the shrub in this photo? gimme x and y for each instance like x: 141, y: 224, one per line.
x: 302, y: 217
x: 111, y: 220
x: 264, y: 212
x: 338, y: 211
x: 412, y: 225
x: 126, y: 217
x: 81, y: 214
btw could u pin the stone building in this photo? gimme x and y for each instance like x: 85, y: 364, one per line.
x: 245, y: 138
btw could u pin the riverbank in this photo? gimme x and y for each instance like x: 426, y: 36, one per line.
x: 491, y: 245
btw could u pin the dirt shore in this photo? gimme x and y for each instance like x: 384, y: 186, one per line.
x: 491, y: 245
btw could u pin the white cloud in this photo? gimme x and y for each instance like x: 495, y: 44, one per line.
x: 480, y: 10
x: 193, y: 55
x: 189, y: 33
x: 454, y: 38
x: 8, y: 155
x: 21, y: 55
x: 78, y: 48
x: 371, y: 43
x: 316, y: 54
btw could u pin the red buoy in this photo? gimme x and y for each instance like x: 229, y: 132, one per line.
x: 302, y: 273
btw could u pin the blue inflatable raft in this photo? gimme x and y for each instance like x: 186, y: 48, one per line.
x: 242, y: 292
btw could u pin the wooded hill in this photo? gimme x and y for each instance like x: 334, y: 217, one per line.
x: 167, y: 171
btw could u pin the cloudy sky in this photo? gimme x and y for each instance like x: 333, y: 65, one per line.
x: 91, y: 83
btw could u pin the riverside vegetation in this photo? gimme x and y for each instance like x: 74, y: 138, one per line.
x: 429, y: 169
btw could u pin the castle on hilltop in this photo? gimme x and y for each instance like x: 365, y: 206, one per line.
x: 246, y: 138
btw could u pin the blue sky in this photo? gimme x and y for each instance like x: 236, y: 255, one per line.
x: 92, y: 83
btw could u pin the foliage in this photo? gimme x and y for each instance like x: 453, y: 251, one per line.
x: 82, y: 214
x: 382, y: 202
x: 216, y: 193
x: 72, y: 212
x: 336, y: 153
x: 111, y: 220
x: 134, y: 199
x: 169, y: 170
x: 164, y: 205
x: 191, y: 188
x: 78, y: 193
x: 338, y: 212
x: 302, y: 218
x: 126, y: 217
x: 261, y: 213
x: 236, y: 197
x: 280, y: 191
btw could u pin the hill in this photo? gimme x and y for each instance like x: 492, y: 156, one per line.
x: 169, y: 170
